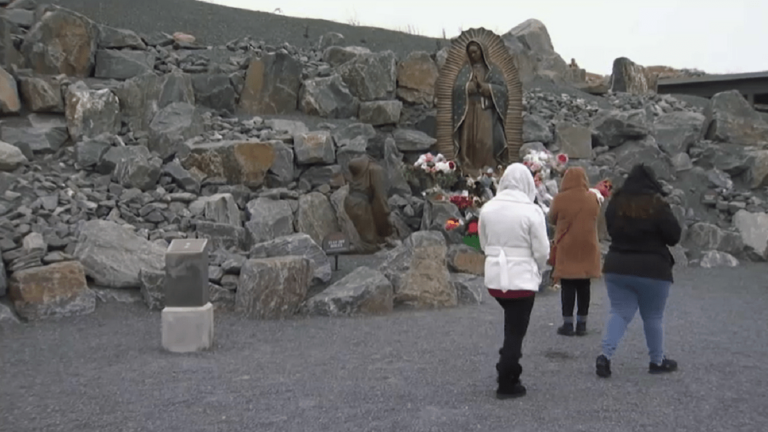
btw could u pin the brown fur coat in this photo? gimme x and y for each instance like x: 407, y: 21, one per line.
x: 574, y: 213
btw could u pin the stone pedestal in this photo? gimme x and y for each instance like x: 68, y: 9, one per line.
x: 187, y: 319
x: 187, y: 329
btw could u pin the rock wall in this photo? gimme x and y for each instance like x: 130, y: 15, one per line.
x: 113, y: 143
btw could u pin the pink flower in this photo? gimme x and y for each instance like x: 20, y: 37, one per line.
x: 429, y: 157
x: 562, y: 158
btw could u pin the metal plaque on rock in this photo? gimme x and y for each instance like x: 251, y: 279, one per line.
x: 335, y: 244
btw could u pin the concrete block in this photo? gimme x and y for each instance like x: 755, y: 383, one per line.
x: 187, y: 329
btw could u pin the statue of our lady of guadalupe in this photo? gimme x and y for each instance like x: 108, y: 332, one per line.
x: 480, y: 99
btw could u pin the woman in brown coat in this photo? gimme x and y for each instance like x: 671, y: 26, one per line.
x: 574, y: 214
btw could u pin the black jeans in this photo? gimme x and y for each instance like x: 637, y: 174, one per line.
x: 570, y: 290
x: 517, y: 315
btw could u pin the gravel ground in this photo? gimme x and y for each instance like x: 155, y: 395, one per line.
x: 216, y: 25
x: 410, y: 371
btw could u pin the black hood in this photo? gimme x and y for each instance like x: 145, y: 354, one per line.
x: 642, y: 180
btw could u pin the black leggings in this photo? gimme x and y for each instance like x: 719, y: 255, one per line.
x: 570, y: 290
x: 517, y: 315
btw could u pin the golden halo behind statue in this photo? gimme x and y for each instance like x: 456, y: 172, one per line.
x: 498, y: 54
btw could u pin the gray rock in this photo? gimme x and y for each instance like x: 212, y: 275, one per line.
x: 182, y: 177
x: 337, y: 55
x: 757, y: 173
x: 380, y: 113
x: 11, y: 157
x: 134, y: 167
x: 393, y: 164
x: 418, y: 272
x: 535, y: 129
x: 3, y: 279
x: 298, y: 244
x: 713, y: 259
x: 120, y: 65
x: 678, y: 253
x: 364, y: 291
x: 629, y: 77
x: 221, y: 297
x: 215, y: 91
x: 371, y: 76
x: 346, y: 225
x: 39, y: 139
x: 574, y: 140
x: 416, y: 77
x: 316, y: 217
x: 20, y: 17
x: 42, y: 94
x: 152, y: 285
x: 88, y: 153
x: 330, y: 39
x: 172, y: 126
x: 61, y: 42
x: 272, y: 85
x: 220, y: 208
x: 36, y: 298
x: 283, y: 171
x: 323, y: 175
x: 412, y: 140
x: 614, y: 128
x: 9, y: 93
x: 675, y: 132
x: 753, y: 228
x: 7, y: 316
x: 644, y: 151
x: 344, y: 135
x: 113, y: 295
x: 682, y: 162
x: 269, y: 219
x: 327, y: 97
x: 222, y: 236
x: 114, y: 38
x: 730, y: 118
x: 143, y: 96
x: 113, y: 256
x: 314, y: 148
x: 91, y: 112
x: 704, y: 236
x: 273, y: 288
x: 469, y: 288
x: 436, y: 214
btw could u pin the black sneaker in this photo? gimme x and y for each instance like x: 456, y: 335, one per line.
x: 514, y: 391
x: 565, y: 329
x: 666, y: 366
x: 581, y: 329
x: 603, y: 366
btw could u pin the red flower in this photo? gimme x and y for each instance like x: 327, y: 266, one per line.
x: 451, y: 165
x: 472, y: 228
x: 605, y: 187
x: 452, y: 224
x: 562, y: 158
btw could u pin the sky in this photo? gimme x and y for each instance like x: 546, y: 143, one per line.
x: 716, y: 36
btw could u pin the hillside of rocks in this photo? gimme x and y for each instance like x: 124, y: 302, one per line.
x: 114, y: 142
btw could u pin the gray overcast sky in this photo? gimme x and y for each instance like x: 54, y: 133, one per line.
x: 717, y: 36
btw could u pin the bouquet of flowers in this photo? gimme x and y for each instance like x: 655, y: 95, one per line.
x: 602, y: 190
x: 431, y: 170
x: 541, y: 164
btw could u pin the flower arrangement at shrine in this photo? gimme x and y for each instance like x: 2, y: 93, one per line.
x: 430, y: 171
x: 542, y: 163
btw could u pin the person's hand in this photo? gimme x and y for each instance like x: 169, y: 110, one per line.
x: 485, y: 90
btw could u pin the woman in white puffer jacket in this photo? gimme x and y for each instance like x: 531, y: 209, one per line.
x: 513, y: 235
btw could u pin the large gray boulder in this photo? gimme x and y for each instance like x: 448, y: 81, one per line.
x: 113, y: 255
x: 675, y: 132
x: 273, y: 288
x: 298, y: 244
x: 269, y: 219
x: 364, y: 291
x: 730, y: 118
x: 327, y: 97
x: 753, y: 228
x: 120, y: 65
x: 371, y: 76
x: 418, y: 272
x: 91, y: 112
x: 172, y: 126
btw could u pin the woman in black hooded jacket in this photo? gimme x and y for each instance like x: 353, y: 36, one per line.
x: 638, y: 266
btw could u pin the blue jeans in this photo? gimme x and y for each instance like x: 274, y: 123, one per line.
x: 627, y: 294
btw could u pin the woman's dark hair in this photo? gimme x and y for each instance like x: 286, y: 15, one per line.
x: 638, y: 206
x: 641, y: 196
